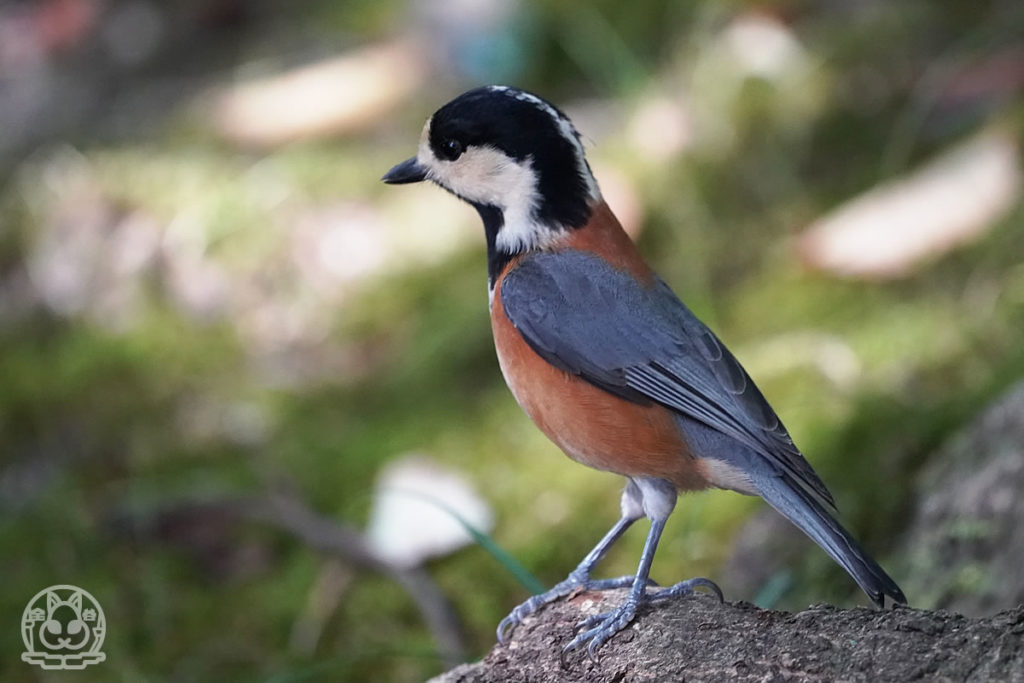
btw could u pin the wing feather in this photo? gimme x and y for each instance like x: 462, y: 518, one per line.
x: 643, y: 344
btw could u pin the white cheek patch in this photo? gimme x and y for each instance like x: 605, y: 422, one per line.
x: 486, y: 175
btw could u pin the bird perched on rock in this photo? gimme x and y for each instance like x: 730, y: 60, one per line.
x: 603, y: 356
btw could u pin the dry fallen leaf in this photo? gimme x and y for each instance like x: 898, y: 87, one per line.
x: 889, y: 230
x: 332, y: 97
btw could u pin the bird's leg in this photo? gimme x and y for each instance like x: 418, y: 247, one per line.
x: 599, y: 628
x: 659, y: 500
x: 579, y: 578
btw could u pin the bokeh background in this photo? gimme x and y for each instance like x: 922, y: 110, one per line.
x: 219, y: 330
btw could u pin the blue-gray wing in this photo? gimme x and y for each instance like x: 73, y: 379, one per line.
x: 643, y: 344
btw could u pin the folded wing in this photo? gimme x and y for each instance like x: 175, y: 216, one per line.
x: 642, y: 343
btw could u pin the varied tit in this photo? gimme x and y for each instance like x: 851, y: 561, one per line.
x: 604, y: 357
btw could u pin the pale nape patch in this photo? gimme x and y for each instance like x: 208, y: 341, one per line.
x: 567, y: 130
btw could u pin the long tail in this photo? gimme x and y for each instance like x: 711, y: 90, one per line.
x: 814, y: 520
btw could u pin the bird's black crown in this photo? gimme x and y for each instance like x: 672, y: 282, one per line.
x: 522, y: 126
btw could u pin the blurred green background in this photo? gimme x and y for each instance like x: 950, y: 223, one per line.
x: 206, y: 294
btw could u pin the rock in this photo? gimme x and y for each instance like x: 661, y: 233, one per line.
x: 697, y: 638
x: 966, y: 540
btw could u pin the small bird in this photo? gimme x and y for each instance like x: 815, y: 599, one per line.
x: 604, y: 357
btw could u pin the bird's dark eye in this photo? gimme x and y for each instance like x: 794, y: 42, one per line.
x: 452, y: 149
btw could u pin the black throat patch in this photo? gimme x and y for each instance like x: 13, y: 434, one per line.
x: 496, y: 260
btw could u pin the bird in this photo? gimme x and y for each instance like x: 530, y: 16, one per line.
x: 603, y: 356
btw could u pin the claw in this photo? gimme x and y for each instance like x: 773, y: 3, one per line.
x: 505, y: 628
x: 567, y: 587
x: 600, y: 628
x: 516, y: 616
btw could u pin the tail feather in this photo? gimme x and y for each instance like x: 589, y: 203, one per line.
x: 801, y: 508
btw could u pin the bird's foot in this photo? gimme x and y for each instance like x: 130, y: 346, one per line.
x: 599, y: 629
x: 575, y: 582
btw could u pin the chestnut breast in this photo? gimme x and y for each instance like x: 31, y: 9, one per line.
x: 593, y: 426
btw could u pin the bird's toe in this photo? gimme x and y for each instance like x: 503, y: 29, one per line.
x: 599, y: 629
x: 686, y: 588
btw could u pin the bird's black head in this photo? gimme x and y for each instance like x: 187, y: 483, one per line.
x: 514, y: 157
